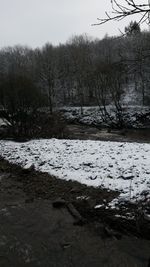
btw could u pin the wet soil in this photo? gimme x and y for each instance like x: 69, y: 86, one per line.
x: 47, y: 222
x: 83, y: 132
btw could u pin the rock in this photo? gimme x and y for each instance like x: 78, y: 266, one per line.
x: 110, y: 165
x: 127, y: 177
x: 92, y: 178
x: 42, y: 163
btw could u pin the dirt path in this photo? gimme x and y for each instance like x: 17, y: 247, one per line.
x: 33, y: 232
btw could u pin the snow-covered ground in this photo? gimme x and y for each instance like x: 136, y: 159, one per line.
x: 118, y: 166
x: 93, y: 115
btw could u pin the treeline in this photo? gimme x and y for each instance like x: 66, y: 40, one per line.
x: 81, y: 72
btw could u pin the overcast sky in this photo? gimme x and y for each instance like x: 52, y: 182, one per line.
x: 35, y: 22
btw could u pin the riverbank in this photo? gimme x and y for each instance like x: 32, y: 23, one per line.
x: 46, y: 222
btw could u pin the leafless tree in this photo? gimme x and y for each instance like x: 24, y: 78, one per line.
x: 46, y: 61
x: 125, y: 8
x: 80, y: 55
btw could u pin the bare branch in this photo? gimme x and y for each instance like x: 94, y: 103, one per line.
x: 124, y: 8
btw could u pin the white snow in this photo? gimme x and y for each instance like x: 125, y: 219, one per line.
x: 99, y: 206
x: 4, y: 122
x: 92, y: 115
x: 113, y: 165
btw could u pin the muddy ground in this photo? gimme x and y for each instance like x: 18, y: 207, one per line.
x: 45, y: 222
x: 83, y: 132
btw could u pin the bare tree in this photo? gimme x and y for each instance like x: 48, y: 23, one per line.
x: 46, y: 61
x: 124, y: 8
x: 80, y: 54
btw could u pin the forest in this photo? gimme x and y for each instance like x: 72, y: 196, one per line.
x: 82, y: 72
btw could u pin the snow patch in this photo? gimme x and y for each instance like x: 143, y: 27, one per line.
x: 113, y: 165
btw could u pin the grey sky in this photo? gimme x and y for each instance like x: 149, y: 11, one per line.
x: 35, y: 22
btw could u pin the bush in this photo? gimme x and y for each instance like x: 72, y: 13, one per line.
x: 36, y: 125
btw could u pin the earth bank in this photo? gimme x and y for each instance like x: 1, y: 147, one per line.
x: 48, y: 222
